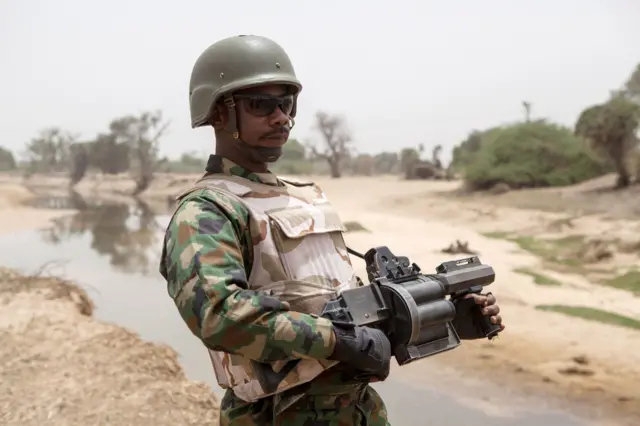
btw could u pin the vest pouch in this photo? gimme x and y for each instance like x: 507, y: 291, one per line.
x: 312, y: 249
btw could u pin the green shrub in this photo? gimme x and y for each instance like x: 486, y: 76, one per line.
x: 532, y: 154
x: 463, y: 154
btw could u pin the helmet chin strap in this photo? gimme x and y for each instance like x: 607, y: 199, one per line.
x: 259, y: 154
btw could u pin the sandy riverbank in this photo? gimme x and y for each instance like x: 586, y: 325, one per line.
x: 15, y: 217
x: 59, y: 365
x: 542, y: 352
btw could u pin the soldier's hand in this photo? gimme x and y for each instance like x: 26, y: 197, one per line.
x: 465, y: 322
x: 364, y: 348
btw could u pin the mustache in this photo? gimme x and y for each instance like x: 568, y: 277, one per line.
x: 282, y: 130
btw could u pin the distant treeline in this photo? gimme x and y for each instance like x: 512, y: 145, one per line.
x: 533, y: 152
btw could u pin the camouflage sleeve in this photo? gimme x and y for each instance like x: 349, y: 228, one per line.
x: 206, y: 257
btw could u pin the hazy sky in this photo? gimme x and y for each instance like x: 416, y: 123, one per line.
x: 402, y: 72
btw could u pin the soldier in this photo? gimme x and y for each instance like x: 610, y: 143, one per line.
x: 251, y: 259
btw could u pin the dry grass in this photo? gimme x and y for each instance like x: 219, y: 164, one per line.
x: 59, y: 365
x: 53, y: 288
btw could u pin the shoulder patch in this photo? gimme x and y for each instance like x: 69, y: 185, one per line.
x: 295, y: 181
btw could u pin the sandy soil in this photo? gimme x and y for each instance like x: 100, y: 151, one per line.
x: 59, y: 365
x: 541, y: 352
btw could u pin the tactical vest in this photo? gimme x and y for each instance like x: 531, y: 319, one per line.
x: 299, y: 256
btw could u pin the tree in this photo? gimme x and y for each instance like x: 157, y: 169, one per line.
x: 409, y: 158
x: 50, y: 150
x: 142, y: 136
x: 632, y: 86
x: 386, y: 162
x: 79, y: 153
x: 363, y: 164
x: 610, y: 130
x: 7, y: 161
x: 435, y: 156
x: 109, y: 155
x: 337, y: 141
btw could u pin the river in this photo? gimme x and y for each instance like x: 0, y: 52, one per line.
x: 113, y: 250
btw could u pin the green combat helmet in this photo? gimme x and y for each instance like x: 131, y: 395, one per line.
x: 236, y: 63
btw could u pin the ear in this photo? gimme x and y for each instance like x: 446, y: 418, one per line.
x: 220, y: 117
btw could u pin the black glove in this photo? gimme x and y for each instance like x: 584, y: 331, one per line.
x: 469, y: 322
x: 364, y: 348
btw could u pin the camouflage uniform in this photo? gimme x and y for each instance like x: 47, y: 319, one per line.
x: 250, y: 259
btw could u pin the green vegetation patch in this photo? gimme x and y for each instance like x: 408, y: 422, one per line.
x: 593, y: 314
x: 561, y: 250
x: 570, y: 254
x: 539, y: 278
x: 628, y: 281
x: 558, y: 250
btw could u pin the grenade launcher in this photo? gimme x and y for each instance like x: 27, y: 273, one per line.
x: 411, y: 308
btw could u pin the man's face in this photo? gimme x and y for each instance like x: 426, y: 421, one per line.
x: 263, y: 115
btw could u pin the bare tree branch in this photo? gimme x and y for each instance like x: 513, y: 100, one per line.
x: 336, y: 140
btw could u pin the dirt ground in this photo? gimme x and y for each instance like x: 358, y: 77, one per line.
x: 540, y: 351
x: 567, y: 247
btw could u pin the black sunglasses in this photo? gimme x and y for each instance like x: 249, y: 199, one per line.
x: 262, y: 105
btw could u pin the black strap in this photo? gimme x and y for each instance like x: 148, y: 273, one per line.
x: 355, y: 253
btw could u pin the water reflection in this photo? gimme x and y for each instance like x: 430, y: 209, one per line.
x: 127, y: 233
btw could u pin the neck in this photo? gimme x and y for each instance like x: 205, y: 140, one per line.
x: 237, y: 152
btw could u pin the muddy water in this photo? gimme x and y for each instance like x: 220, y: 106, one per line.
x: 113, y: 251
